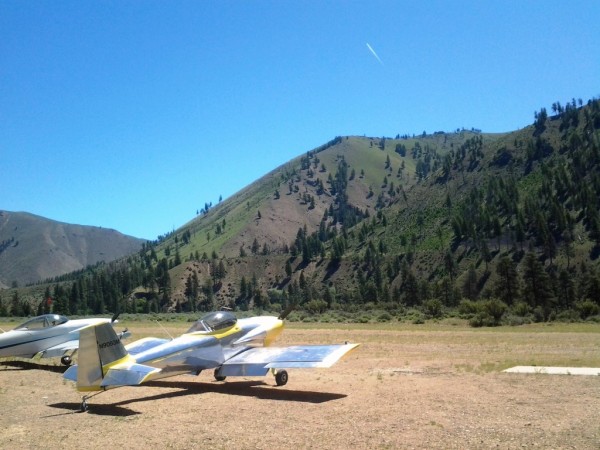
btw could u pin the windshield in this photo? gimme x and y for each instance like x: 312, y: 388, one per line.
x: 214, y: 321
x: 41, y: 322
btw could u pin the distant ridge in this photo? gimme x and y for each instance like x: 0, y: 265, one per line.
x: 34, y: 248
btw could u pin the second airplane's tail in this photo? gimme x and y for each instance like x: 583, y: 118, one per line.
x: 103, y: 361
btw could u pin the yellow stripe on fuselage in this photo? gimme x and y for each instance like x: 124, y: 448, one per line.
x: 274, y: 333
x: 219, y: 334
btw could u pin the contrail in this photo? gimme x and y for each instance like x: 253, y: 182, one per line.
x: 374, y: 54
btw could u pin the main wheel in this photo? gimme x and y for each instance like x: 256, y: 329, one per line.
x: 84, y: 405
x: 281, y: 378
x: 66, y: 360
x: 219, y: 377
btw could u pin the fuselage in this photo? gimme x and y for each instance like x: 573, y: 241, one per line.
x: 201, y: 349
x: 41, y: 333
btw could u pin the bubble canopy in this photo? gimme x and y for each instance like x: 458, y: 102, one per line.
x: 41, y: 322
x: 214, y: 321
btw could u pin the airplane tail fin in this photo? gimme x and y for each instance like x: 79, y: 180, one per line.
x: 104, y: 362
x: 99, y: 349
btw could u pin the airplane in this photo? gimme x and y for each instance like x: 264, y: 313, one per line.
x: 47, y: 336
x: 218, y: 340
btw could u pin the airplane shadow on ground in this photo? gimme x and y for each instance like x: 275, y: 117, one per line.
x: 30, y: 365
x: 257, y: 389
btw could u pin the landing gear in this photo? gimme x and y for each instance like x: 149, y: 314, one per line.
x: 84, y: 401
x: 66, y: 360
x: 281, y: 377
x: 217, y: 376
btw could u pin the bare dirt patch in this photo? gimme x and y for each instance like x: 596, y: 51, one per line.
x: 400, y: 389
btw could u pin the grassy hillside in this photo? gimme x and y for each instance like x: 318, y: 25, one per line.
x: 490, y: 226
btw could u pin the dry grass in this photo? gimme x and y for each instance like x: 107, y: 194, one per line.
x: 430, y: 386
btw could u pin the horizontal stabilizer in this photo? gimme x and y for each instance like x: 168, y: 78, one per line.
x: 128, y: 376
x: 258, y: 361
x: 71, y: 373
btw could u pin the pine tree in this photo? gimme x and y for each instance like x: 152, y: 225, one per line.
x: 507, y: 285
x: 537, y: 288
x: 255, y: 247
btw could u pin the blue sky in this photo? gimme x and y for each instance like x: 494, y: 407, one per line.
x: 133, y: 114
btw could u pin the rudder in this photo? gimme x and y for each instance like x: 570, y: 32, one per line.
x: 99, y: 348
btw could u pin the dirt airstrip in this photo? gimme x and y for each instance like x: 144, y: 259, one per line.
x: 405, y: 388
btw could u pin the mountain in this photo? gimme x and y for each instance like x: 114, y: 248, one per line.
x: 33, y: 248
x: 479, y: 223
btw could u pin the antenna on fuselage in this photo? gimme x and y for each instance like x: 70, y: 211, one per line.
x: 164, y: 329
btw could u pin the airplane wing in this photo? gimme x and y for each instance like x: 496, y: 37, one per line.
x: 257, y: 361
x: 60, y: 349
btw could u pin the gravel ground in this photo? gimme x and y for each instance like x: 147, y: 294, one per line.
x: 397, y: 390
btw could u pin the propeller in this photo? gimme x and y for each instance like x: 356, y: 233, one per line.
x: 287, y: 311
x: 115, y: 317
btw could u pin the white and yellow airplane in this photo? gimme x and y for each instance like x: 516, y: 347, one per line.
x: 219, y: 341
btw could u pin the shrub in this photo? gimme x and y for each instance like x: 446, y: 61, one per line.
x: 489, y: 313
x: 569, y: 315
x: 587, y: 308
x: 384, y: 317
x: 538, y: 314
x: 481, y: 319
x: 418, y: 320
x: 369, y: 306
x: 316, y: 306
x: 433, y: 308
x: 467, y: 308
x: 513, y: 320
x: 521, y: 309
x: 495, y: 308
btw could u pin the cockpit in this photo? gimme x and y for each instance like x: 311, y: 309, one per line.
x: 41, y: 322
x: 214, y: 321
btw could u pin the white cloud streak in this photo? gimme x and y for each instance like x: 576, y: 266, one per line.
x: 374, y: 54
